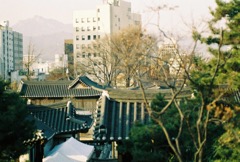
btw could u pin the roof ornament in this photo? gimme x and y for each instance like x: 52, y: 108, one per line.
x: 70, y: 110
x: 105, y: 93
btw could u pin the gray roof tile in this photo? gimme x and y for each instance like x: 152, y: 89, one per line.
x: 54, y: 89
x: 55, y: 121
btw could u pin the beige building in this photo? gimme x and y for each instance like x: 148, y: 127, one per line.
x: 89, y: 25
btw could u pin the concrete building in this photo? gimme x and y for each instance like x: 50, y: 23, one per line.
x: 106, y: 19
x: 171, y: 56
x: 11, y: 50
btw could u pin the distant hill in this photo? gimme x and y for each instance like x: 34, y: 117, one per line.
x: 47, y: 35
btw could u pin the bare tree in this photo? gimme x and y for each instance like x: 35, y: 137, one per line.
x: 100, y: 61
x: 134, y: 48
x: 125, y: 53
x: 204, y: 76
x: 29, y: 60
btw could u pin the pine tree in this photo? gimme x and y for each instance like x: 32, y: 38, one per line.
x: 225, y: 33
x: 14, y: 125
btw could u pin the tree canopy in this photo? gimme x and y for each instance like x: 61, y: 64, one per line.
x: 14, y: 125
x: 118, y: 57
x: 199, y: 121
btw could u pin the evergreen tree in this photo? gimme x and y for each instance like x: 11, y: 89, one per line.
x: 224, y: 45
x: 14, y: 125
x: 225, y: 35
x: 213, y: 82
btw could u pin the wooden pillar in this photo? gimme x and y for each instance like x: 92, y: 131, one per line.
x: 120, y: 122
x: 135, y: 112
x: 127, y: 120
x: 142, y: 112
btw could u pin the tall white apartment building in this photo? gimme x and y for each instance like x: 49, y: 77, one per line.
x: 89, y: 25
x: 11, y: 50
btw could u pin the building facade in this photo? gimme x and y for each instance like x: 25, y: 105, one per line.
x: 11, y: 50
x: 90, y: 25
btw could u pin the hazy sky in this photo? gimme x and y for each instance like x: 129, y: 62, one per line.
x: 62, y: 10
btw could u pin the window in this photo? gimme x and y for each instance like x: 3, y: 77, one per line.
x: 83, y: 29
x: 89, y: 37
x: 77, y: 46
x: 77, y: 21
x: 77, y: 37
x: 98, y: 10
x: 83, y: 20
x: 98, y: 36
x: 118, y: 19
x: 83, y: 46
x: 94, y: 19
x: 83, y: 37
x: 94, y: 28
x: 77, y: 29
x: 89, y: 54
x: 98, y: 18
x: 88, y: 28
x: 95, y: 55
x: 83, y: 55
x: 94, y: 37
x: 89, y: 46
x: 137, y: 22
x: 88, y: 19
x: 98, y: 27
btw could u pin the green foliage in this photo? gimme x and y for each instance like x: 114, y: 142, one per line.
x: 69, y: 51
x: 203, y: 115
x: 223, y: 43
x: 227, y: 147
x: 222, y: 69
x: 158, y: 102
x: 147, y: 144
x: 68, y: 48
x: 227, y: 38
x: 14, y: 126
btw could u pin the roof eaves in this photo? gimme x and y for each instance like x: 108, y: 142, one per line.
x: 73, y: 83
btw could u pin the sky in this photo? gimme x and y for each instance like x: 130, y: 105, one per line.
x: 62, y: 10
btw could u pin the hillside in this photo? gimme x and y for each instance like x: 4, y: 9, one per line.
x: 46, y: 35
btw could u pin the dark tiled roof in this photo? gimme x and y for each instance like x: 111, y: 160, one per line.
x: 48, y: 132
x: 126, y: 94
x: 57, y: 121
x: 115, y: 116
x: 55, y: 89
x: 86, y: 81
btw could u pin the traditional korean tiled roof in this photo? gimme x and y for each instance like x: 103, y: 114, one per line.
x: 128, y: 94
x: 58, y: 121
x: 117, y: 112
x: 57, y: 89
x: 114, y: 119
x: 85, y: 81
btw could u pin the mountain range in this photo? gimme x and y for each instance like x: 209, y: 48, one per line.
x: 45, y: 35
